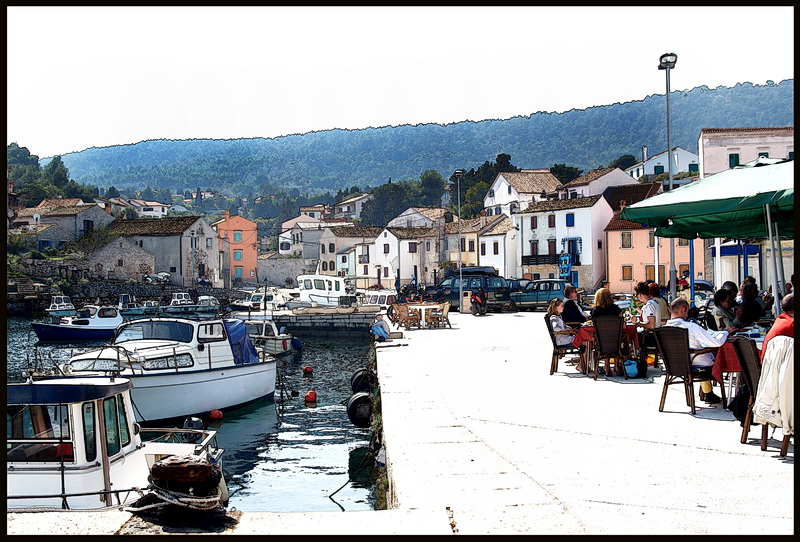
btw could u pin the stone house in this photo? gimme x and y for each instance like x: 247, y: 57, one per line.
x: 120, y: 259
x: 286, y: 238
x: 351, y: 207
x: 351, y: 253
x: 71, y: 223
x: 406, y: 254
x: 512, y: 191
x: 187, y: 247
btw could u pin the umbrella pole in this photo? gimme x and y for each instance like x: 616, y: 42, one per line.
x: 776, y: 304
x: 781, y: 273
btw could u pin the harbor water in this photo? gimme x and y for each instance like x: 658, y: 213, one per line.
x: 283, y: 455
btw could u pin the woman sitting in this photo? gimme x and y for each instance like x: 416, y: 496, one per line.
x: 604, y: 304
x: 573, y: 313
x: 721, y: 309
x: 561, y: 332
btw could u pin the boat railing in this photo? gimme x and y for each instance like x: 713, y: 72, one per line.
x: 207, y: 444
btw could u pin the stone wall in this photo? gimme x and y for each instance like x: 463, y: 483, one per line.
x: 276, y: 270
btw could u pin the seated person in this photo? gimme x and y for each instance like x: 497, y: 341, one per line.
x: 750, y: 310
x: 573, y: 313
x: 554, y: 318
x: 604, y: 304
x: 655, y: 294
x: 380, y: 328
x: 721, y: 309
x: 784, y: 323
x: 699, y: 338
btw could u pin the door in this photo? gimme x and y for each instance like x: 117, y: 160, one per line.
x: 574, y: 279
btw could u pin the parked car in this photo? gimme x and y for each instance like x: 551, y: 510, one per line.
x: 495, y: 287
x: 538, y: 293
x: 516, y: 285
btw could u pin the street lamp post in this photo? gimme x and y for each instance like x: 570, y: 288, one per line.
x: 666, y: 63
x: 457, y: 174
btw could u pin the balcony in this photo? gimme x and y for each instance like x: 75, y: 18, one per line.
x: 549, y: 259
x: 363, y: 258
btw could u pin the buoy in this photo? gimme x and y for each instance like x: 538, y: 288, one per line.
x: 215, y: 414
x: 285, y: 345
x: 307, y: 370
x: 359, y: 409
x: 311, y: 397
x: 363, y: 380
x: 295, y: 393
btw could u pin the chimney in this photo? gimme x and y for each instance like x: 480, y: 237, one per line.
x: 622, y: 204
x: 644, y: 153
x: 227, y: 214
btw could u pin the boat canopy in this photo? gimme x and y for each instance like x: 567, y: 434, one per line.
x: 243, y: 350
x: 62, y: 392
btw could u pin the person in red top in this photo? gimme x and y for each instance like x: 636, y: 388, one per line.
x: 784, y: 324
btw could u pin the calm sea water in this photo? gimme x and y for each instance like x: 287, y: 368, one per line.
x: 282, y: 455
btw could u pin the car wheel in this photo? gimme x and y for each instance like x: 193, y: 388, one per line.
x: 513, y: 307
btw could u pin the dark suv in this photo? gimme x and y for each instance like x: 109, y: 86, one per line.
x: 538, y: 293
x: 496, y: 288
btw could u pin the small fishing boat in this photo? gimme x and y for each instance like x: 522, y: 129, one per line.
x: 141, y: 309
x: 269, y: 298
x: 265, y: 334
x: 182, y: 304
x: 323, y: 290
x: 382, y: 298
x: 72, y: 444
x: 60, y: 305
x: 183, y: 367
x: 90, y: 323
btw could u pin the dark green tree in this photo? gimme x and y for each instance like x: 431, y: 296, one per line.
x: 565, y: 173
x: 432, y: 188
x: 112, y: 192
x: 56, y: 173
x: 623, y: 162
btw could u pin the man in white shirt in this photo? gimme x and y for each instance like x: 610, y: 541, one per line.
x: 699, y: 338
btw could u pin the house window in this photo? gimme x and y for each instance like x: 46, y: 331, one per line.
x: 599, y: 244
x: 472, y: 245
x: 44, y: 244
x: 237, y: 237
x: 509, y: 189
x: 412, y: 247
x: 497, y: 210
x: 322, y: 248
x: 694, y: 168
x: 427, y: 245
x: 626, y: 239
x: 463, y: 244
x: 237, y: 255
x: 386, y: 248
x: 658, y: 170
x: 238, y: 271
x: 733, y: 160
x: 683, y: 242
x: 570, y: 220
x: 551, y: 246
x: 173, y: 269
x: 324, y: 266
x: 791, y: 155
x: 491, y: 193
x: 344, y: 259
x: 681, y: 268
x: 366, y: 270
x: 551, y: 221
x: 650, y: 272
x: 286, y: 245
x: 534, y: 248
x: 88, y: 226
x: 496, y: 247
x: 651, y: 238
x: 764, y: 154
x: 489, y: 212
x: 573, y: 195
x: 120, y: 263
x: 483, y: 249
x: 385, y: 271
x: 331, y: 265
x: 209, y: 242
x: 408, y: 223
x: 627, y: 272
x: 533, y: 222
x: 536, y: 276
x: 331, y: 248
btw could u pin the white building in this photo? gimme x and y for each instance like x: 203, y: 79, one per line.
x: 594, y: 182
x: 683, y: 161
x: 725, y: 148
x: 512, y: 191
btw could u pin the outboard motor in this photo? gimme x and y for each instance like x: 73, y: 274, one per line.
x: 192, y: 423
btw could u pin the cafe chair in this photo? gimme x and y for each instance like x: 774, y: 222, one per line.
x: 560, y: 351
x: 774, y: 401
x: 608, y: 344
x: 673, y: 344
x: 408, y: 318
x: 749, y: 360
x: 438, y: 317
x: 647, y: 346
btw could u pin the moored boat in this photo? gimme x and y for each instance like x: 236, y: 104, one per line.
x: 73, y: 444
x: 183, y: 367
x: 182, y: 304
x: 265, y: 334
x: 60, y: 305
x: 90, y: 323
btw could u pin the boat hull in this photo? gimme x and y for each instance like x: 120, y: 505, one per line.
x: 55, y: 332
x: 188, y: 393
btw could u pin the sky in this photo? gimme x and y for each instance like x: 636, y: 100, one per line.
x: 81, y: 77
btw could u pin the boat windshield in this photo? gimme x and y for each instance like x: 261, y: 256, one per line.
x: 158, y: 330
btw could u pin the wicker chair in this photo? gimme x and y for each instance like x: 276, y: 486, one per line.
x: 408, y: 318
x: 608, y: 344
x: 673, y: 344
x: 438, y: 318
x: 750, y: 363
x: 560, y: 351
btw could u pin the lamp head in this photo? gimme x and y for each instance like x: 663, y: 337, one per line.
x: 458, y: 173
x: 667, y: 61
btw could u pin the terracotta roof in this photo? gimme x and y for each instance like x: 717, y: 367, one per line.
x: 356, y: 231
x: 561, y: 204
x: 148, y: 226
x: 54, y: 211
x: 616, y: 223
x: 432, y: 213
x: 322, y: 224
x: 630, y: 193
x: 499, y: 227
x: 474, y: 225
x: 586, y: 178
x: 532, y: 181
x: 60, y: 202
x: 354, y: 198
x: 416, y: 232
x: 30, y: 230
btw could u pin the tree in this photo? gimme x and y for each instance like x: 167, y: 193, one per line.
x: 147, y: 194
x: 565, y: 173
x: 624, y: 162
x: 112, y: 192
x: 56, y: 173
x: 432, y: 187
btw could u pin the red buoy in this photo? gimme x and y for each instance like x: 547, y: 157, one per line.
x: 307, y: 370
x: 311, y: 397
x: 215, y: 414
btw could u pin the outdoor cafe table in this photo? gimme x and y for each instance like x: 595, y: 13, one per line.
x: 726, y: 361
x: 586, y: 334
x: 422, y: 307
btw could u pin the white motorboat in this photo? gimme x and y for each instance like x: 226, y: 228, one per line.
x: 60, y: 305
x: 265, y: 334
x: 182, y: 304
x: 90, y: 323
x: 183, y: 367
x: 72, y: 444
x: 382, y: 298
x: 268, y: 298
x: 324, y: 290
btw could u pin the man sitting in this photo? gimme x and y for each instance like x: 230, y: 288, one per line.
x: 380, y: 328
x: 699, y: 338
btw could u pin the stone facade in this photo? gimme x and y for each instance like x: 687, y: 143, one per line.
x: 121, y: 259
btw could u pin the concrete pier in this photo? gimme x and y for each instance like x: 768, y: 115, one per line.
x: 480, y: 439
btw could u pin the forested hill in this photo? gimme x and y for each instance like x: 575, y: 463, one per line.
x: 339, y: 159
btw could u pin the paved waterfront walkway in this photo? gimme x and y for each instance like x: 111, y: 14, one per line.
x: 480, y: 439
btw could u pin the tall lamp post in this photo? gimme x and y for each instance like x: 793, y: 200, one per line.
x: 667, y: 62
x: 457, y: 174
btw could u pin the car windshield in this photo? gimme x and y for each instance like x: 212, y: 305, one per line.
x: 159, y: 330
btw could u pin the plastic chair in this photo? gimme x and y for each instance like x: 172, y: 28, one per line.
x: 560, y: 351
x: 673, y: 344
x: 608, y: 343
x: 748, y: 356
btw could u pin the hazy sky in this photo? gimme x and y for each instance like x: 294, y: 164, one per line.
x: 81, y: 77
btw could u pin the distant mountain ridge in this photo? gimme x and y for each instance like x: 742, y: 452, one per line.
x: 337, y: 159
